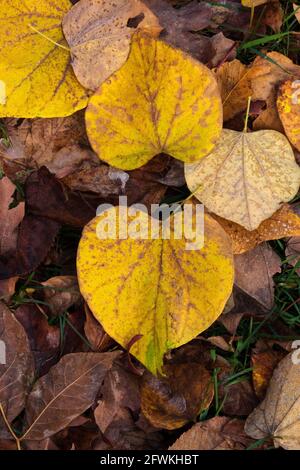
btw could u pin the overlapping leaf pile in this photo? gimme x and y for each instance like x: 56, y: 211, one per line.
x: 106, y: 342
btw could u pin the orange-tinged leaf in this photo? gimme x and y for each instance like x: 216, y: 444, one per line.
x: 247, y: 177
x: 99, y: 36
x: 37, y: 73
x: 154, y: 289
x: 288, y: 105
x: 161, y: 100
x: 284, y: 223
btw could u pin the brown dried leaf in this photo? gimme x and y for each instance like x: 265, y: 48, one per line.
x: 219, y: 433
x: 264, y: 359
x: 254, y: 271
x: 292, y: 251
x: 99, y: 34
x: 98, y: 339
x: 170, y: 402
x: 278, y: 414
x: 16, y: 364
x: 273, y: 16
x: 69, y: 389
x: 238, y: 398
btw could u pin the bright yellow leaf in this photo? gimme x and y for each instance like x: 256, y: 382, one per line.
x: 247, y: 177
x: 254, y: 3
x: 161, y: 100
x: 154, y: 287
x: 37, y: 73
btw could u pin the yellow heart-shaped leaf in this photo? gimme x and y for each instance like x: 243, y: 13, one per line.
x: 160, y: 101
x: 157, y: 290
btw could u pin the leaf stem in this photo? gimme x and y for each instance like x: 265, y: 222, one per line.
x: 49, y: 39
x: 247, y: 114
x: 10, y: 429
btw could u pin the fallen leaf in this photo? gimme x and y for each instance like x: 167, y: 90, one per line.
x: 264, y: 359
x: 273, y: 16
x: 9, y: 221
x: 254, y: 272
x: 235, y: 84
x: 277, y: 68
x: 69, y: 388
x: 37, y: 71
x: 219, y: 433
x: 254, y: 3
x: 98, y: 339
x: 60, y: 293
x: 148, y: 278
x: 99, y: 36
x: 278, y: 415
x: 247, y: 177
x: 180, y: 25
x: 128, y: 122
x: 288, y: 107
x: 284, y: 223
x: 238, y: 397
x: 170, y: 402
x: 224, y: 49
x: 16, y: 365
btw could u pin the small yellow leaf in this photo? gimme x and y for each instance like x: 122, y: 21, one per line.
x: 99, y: 36
x: 161, y: 100
x: 284, y: 223
x: 156, y: 288
x: 247, y: 177
x: 288, y: 105
x: 36, y: 72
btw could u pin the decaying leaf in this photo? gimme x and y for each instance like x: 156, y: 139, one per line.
x: 219, y: 433
x: 99, y: 35
x: 247, y: 177
x: 297, y: 11
x: 274, y: 15
x: 264, y: 359
x: 284, y: 223
x: 9, y: 221
x: 288, y: 105
x: 37, y: 71
x: 278, y: 415
x: 254, y: 272
x: 150, y: 287
x: 69, y: 388
x: 292, y: 251
x: 128, y: 121
x: 170, y: 402
x: 16, y: 365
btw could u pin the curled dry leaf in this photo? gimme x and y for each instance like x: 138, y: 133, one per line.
x: 60, y: 293
x: 127, y: 119
x: 99, y: 34
x: 284, y: 223
x: 288, y: 105
x: 150, y: 287
x: 44, y: 85
x: 292, y: 251
x: 69, y: 389
x: 184, y: 392
x: 247, y: 177
x: 219, y: 433
x: 274, y: 16
x: 278, y: 415
x: 297, y: 11
x: 98, y: 339
x: 17, y: 371
x: 254, y: 272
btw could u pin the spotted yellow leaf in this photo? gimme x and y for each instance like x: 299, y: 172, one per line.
x: 157, y: 291
x: 160, y: 101
x: 288, y: 105
x: 36, y: 71
x: 247, y: 177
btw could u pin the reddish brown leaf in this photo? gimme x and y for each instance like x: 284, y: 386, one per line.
x: 69, y: 388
